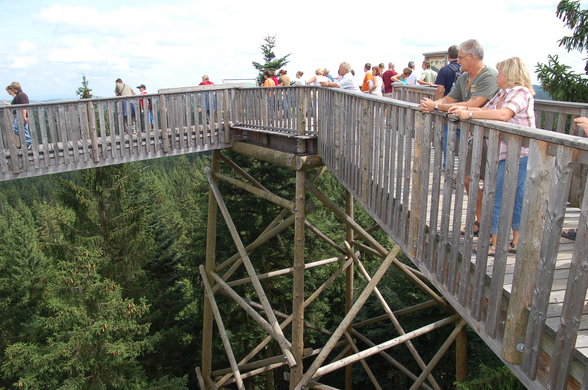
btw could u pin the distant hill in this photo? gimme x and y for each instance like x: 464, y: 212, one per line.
x: 540, y: 93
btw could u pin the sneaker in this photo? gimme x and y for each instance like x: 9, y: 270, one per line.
x: 29, y: 147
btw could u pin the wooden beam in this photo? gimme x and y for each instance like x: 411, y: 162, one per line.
x: 207, y: 321
x: 373, y: 242
x: 440, y: 353
x: 391, y: 315
x: 532, y: 222
x: 310, y: 373
x: 363, y: 363
x: 282, y: 159
x: 286, y: 271
x: 250, y: 269
x: 298, y: 282
x: 221, y: 328
x: 384, y: 346
x: 389, y: 358
x: 257, y: 192
x: 349, y: 279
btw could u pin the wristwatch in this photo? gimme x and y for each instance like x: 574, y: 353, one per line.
x: 436, y: 107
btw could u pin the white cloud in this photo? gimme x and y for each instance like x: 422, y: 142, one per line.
x: 23, y: 62
x: 173, y: 44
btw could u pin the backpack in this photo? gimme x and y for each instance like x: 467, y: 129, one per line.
x: 456, y: 68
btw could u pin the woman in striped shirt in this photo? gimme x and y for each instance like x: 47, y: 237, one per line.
x: 514, y: 103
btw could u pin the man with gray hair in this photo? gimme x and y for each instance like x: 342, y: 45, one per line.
x: 474, y: 88
x: 387, y: 78
x: 345, y: 80
x: 412, y: 78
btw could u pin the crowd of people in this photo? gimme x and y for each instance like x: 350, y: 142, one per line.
x: 465, y: 88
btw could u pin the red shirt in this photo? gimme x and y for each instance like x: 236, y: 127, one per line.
x: 207, y: 82
x: 387, y: 77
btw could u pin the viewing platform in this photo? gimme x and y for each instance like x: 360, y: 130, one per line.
x: 529, y: 306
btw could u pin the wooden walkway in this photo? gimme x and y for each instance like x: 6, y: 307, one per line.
x: 530, y: 308
x: 525, y: 307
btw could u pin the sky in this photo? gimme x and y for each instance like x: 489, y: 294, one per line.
x: 48, y: 45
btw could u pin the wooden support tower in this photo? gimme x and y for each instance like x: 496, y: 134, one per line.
x: 306, y: 366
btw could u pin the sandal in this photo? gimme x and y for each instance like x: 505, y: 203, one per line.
x: 491, y: 250
x: 512, y: 248
x: 476, y: 229
x: 570, y: 234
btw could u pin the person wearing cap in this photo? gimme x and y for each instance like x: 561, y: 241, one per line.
x: 143, y: 91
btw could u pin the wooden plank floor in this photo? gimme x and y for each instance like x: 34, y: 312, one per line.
x: 561, y: 275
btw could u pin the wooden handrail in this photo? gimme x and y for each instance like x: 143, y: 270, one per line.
x: 389, y: 155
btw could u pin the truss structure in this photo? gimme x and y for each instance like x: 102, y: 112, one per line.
x: 347, y: 344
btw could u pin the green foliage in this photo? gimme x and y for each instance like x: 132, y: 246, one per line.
x: 558, y: 80
x: 87, y: 335
x: 269, y: 57
x: 84, y: 92
x: 576, y: 20
x: 491, y: 379
x: 109, y: 208
x: 561, y: 82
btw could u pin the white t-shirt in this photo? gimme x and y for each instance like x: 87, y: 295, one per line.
x: 379, y: 82
x: 412, y: 79
x: 348, y: 83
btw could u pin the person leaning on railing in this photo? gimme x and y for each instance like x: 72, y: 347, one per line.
x: 514, y: 103
x: 19, y: 97
x: 475, y: 87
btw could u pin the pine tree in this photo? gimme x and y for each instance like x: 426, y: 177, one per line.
x: 558, y: 79
x: 84, y: 92
x: 271, y: 62
x: 109, y: 207
x: 87, y: 336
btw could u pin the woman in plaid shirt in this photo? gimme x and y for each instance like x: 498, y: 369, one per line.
x: 513, y: 103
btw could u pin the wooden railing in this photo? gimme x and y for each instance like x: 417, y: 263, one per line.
x: 82, y: 134
x: 389, y: 155
x: 549, y: 114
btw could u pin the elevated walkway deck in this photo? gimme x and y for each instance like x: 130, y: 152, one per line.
x: 530, y: 308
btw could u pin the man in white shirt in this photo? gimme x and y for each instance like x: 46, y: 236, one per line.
x: 345, y: 81
x: 412, y: 79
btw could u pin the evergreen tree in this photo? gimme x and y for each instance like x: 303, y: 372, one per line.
x: 109, y: 207
x: 23, y: 275
x: 84, y: 92
x: 87, y: 335
x: 269, y: 57
x: 558, y: 79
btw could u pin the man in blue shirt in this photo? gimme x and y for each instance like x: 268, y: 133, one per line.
x: 447, y: 74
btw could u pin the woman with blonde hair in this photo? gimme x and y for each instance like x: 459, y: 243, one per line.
x: 514, y: 103
x: 402, y: 78
x: 318, y: 78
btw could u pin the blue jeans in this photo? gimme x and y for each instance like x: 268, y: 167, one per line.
x: 27, y: 132
x: 520, y: 193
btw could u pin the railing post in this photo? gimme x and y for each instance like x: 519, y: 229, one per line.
x: 417, y: 185
x: 537, y: 187
x: 92, y: 130
x: 365, y: 149
x: 164, y: 130
x: 10, y: 139
x: 302, y: 107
